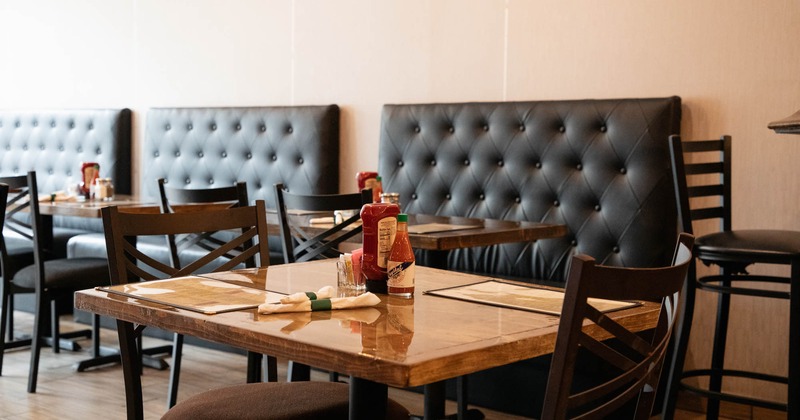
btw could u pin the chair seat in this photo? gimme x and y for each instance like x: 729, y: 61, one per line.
x: 274, y: 400
x: 749, y: 245
x: 67, y: 273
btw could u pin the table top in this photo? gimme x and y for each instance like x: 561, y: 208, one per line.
x: 488, y: 232
x: 400, y: 342
x: 91, y: 208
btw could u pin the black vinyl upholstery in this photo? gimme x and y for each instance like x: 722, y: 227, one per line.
x: 54, y: 143
x: 599, y: 166
x: 262, y: 146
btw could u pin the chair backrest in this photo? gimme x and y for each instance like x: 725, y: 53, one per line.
x: 198, y: 200
x: 22, y: 220
x: 128, y: 264
x: 639, y: 363
x: 708, y: 160
x: 300, y: 244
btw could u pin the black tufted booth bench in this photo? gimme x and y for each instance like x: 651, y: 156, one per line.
x: 601, y: 167
x: 214, y: 147
x: 54, y: 143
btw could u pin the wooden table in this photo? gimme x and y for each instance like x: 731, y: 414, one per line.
x: 399, y: 343
x: 91, y: 208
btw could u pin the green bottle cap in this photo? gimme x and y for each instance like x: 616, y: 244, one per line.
x: 402, y: 217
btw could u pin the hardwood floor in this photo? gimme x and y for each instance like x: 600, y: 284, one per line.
x: 64, y: 393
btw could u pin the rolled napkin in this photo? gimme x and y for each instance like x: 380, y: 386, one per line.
x: 322, y: 220
x: 55, y: 196
x: 326, y: 292
x: 360, y: 301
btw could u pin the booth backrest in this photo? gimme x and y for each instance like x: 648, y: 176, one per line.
x: 599, y: 166
x: 214, y: 147
x: 54, y: 143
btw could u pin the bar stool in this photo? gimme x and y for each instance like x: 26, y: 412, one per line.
x: 733, y: 251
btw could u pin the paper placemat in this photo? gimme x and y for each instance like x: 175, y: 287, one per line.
x: 524, y: 297
x: 439, y: 227
x: 196, y: 294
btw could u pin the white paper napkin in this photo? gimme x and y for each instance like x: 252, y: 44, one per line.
x: 326, y: 292
x: 367, y: 299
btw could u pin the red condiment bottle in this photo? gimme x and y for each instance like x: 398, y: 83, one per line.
x: 401, y: 265
x: 377, y: 190
x: 379, y: 221
x: 366, y: 180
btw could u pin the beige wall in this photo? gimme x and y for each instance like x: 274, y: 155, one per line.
x: 735, y: 63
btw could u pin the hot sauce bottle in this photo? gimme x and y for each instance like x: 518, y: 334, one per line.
x: 401, y: 265
x: 379, y: 221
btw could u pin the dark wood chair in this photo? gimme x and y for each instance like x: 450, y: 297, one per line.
x: 637, y: 360
x: 708, y: 163
x: 48, y: 279
x: 301, y: 245
x: 259, y: 400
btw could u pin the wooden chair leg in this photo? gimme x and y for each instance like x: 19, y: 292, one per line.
x: 793, y: 409
x: 271, y: 369
x: 10, y: 313
x: 298, y: 372
x: 36, y: 345
x: 4, y: 319
x: 681, y: 344
x: 175, y: 371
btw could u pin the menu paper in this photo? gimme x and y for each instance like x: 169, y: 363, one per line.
x: 522, y: 296
x: 196, y: 294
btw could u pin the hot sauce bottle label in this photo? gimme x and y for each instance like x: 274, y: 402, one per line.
x: 401, y: 274
x: 387, y: 228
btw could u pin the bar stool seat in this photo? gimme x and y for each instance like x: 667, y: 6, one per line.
x: 732, y: 251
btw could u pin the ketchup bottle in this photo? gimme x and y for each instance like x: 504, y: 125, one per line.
x: 401, y: 265
x: 379, y: 221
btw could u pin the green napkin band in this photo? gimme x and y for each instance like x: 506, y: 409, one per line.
x: 311, y: 295
x: 321, y: 305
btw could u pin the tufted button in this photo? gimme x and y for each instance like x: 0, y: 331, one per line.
x: 80, y: 150
x: 414, y: 196
x: 213, y: 127
x: 466, y: 162
x: 615, y: 249
x: 500, y: 163
x: 41, y: 147
x: 187, y: 181
x: 597, y: 207
x: 69, y: 173
x: 167, y: 127
x: 200, y: 154
x: 238, y: 127
x: 52, y: 124
x: 60, y: 147
x: 16, y: 124
x: 485, y: 127
x: 451, y: 130
x: 36, y: 123
x: 178, y: 154
x: 400, y: 163
x: 300, y: 160
x: 603, y: 128
x: 573, y: 242
x: 8, y: 147
x: 274, y: 157
x: 417, y: 129
x: 623, y: 171
x: 562, y: 129
x: 91, y: 126
x: 71, y: 124
x: 156, y: 154
x: 538, y: 165
x: 518, y: 200
x: 433, y: 162
x: 211, y: 181
x: 263, y: 128
x: 290, y: 130
x: 579, y: 167
x: 50, y: 171
x: 249, y: 155
x: 190, y: 127
x: 556, y: 203
x: 224, y: 154
x: 25, y: 147
x: 521, y: 127
x: 97, y: 151
x: 448, y: 196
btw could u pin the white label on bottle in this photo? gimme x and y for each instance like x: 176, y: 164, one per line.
x: 387, y: 227
x: 401, y: 274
